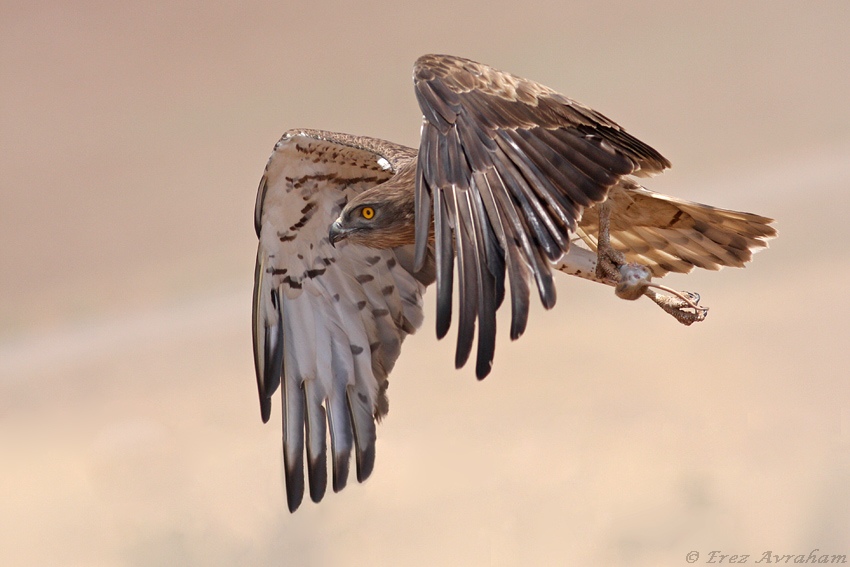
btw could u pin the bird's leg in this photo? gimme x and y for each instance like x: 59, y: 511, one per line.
x: 682, y: 305
x: 632, y: 280
x: 608, y: 260
x: 685, y: 311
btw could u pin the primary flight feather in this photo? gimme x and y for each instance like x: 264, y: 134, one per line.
x: 511, y: 180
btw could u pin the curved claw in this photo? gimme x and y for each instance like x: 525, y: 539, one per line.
x: 635, y: 281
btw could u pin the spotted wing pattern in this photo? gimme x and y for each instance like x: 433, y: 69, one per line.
x: 328, y: 322
x: 507, y: 166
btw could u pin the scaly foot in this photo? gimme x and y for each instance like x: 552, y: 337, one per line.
x: 608, y: 260
x: 635, y: 281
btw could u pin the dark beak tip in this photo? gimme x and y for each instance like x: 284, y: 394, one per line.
x: 335, y: 233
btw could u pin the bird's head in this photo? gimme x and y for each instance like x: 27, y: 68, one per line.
x: 380, y: 217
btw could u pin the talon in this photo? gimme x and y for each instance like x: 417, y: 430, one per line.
x: 632, y: 280
x: 683, y: 306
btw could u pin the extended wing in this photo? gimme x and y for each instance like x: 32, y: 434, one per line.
x: 328, y: 323
x: 507, y: 166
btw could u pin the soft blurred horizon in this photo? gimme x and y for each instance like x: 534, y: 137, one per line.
x: 133, y: 137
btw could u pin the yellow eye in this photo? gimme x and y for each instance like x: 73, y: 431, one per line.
x: 367, y: 212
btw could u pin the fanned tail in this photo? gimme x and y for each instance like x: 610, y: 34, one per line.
x: 667, y: 234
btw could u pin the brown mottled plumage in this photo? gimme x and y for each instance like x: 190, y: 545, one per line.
x: 507, y: 175
x: 394, y: 220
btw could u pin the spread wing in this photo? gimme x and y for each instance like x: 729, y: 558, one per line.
x: 328, y: 323
x: 507, y: 166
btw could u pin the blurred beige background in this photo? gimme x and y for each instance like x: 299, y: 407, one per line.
x: 132, y: 138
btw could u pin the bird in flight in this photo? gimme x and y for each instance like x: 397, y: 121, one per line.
x: 511, y: 182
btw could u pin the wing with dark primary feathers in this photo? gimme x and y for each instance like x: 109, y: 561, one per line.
x: 328, y: 323
x: 507, y: 166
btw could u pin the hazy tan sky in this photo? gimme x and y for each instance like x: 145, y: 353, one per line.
x: 133, y: 136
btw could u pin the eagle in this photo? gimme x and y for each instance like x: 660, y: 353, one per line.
x: 512, y: 181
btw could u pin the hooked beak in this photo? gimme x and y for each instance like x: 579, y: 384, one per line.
x: 337, y: 233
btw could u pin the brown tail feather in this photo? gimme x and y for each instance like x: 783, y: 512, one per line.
x: 667, y: 234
